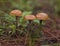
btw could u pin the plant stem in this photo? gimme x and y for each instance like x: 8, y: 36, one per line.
x: 31, y: 42
x: 29, y: 28
x: 16, y: 26
x: 40, y: 24
x: 40, y: 31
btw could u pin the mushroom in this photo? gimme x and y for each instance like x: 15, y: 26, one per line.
x: 17, y: 14
x: 30, y: 18
x: 42, y: 16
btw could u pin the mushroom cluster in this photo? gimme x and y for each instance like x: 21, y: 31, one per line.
x: 40, y: 16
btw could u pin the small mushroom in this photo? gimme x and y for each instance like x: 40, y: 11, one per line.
x: 30, y: 17
x: 16, y: 13
x: 42, y: 16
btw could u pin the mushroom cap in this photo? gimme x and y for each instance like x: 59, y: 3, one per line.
x: 30, y: 17
x: 16, y: 13
x: 42, y: 16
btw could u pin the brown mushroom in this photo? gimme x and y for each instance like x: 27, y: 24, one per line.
x: 30, y: 17
x: 16, y: 13
x: 42, y: 16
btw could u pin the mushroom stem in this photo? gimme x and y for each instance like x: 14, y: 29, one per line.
x: 29, y: 34
x: 30, y: 21
x: 31, y: 42
x: 40, y: 25
x: 41, y: 34
x: 17, y: 26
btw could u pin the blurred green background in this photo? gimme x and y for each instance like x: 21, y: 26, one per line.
x: 29, y: 5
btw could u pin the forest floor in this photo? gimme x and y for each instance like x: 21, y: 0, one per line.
x: 21, y: 41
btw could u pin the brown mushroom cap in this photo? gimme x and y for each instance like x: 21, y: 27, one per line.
x: 16, y: 13
x: 30, y: 17
x: 42, y: 16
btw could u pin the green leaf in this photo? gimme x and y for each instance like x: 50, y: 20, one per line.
x: 37, y: 21
x: 12, y: 26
